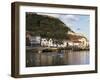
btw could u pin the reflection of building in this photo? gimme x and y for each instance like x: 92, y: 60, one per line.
x: 45, y: 59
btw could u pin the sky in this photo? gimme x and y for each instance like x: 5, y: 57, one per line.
x: 77, y: 22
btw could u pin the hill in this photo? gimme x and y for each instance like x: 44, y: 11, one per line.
x: 46, y: 26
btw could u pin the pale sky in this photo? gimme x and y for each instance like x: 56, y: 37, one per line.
x: 78, y: 23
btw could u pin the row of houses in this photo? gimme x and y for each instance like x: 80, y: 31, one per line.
x: 75, y: 40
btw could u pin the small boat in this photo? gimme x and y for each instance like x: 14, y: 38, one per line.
x: 50, y: 50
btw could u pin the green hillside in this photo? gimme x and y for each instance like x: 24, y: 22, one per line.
x: 46, y: 26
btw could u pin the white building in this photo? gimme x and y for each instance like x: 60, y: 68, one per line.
x: 78, y: 40
x: 32, y: 40
x: 75, y: 39
x: 35, y: 40
x: 50, y: 43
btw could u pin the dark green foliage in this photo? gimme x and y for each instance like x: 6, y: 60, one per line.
x: 46, y: 26
x: 28, y: 42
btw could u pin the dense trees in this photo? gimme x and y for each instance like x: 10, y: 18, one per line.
x: 46, y: 27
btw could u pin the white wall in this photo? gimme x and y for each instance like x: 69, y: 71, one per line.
x: 5, y: 41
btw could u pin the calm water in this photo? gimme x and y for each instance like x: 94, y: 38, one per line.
x: 55, y: 58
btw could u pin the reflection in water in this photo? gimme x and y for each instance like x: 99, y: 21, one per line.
x: 67, y: 57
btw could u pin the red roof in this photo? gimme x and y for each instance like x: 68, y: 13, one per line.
x: 74, y: 37
x: 77, y: 41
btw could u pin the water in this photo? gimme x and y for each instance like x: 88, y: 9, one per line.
x: 65, y: 57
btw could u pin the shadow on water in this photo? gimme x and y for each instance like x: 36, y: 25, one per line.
x: 65, y: 57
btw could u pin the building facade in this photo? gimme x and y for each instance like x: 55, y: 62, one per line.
x: 75, y: 40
